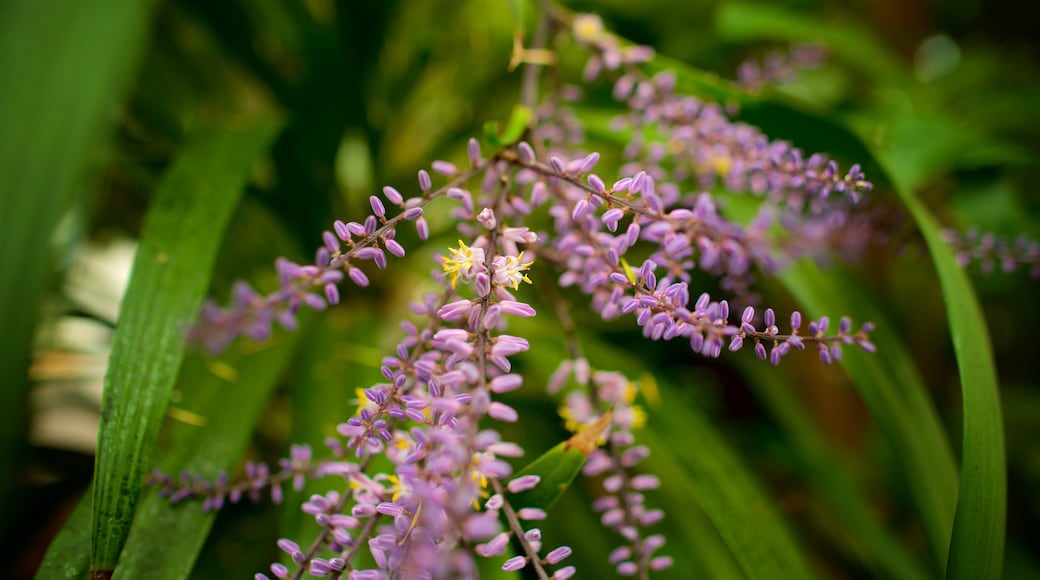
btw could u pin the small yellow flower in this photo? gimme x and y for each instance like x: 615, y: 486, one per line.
x: 465, y: 261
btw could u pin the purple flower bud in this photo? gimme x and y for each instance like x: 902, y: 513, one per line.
x: 558, y: 555
x: 495, y: 547
x: 332, y: 294
x: 515, y: 563
x: 525, y: 153
x: 530, y: 513
x: 506, y: 383
x: 445, y: 168
x: 393, y: 195
x: 412, y: 213
x: 796, y: 320
x: 377, y: 206
x: 597, y: 183
x: 588, y: 163
x: 421, y: 227
x: 341, y: 230
x: 390, y: 509
x: 331, y: 242
x: 564, y: 573
x: 356, y: 228
x: 358, y: 277
x: 319, y: 567
x: 580, y: 209
x: 473, y: 151
x: 425, y: 183
x: 770, y: 318
x: 503, y: 412
x: 522, y: 483
x: 394, y: 248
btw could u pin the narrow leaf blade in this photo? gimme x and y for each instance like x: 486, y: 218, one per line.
x: 171, y: 274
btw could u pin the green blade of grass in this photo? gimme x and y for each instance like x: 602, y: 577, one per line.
x: 745, y: 516
x: 65, y: 65
x: 171, y: 272
x: 977, y: 543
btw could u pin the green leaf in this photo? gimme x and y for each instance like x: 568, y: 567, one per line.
x: 206, y: 449
x: 65, y: 67
x: 977, y: 545
x: 515, y: 128
x: 69, y: 553
x: 558, y: 467
x: 828, y: 477
x: 729, y: 494
x: 171, y: 272
x: 893, y: 389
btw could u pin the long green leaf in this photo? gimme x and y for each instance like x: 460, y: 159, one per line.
x: 744, y: 515
x: 171, y: 274
x: 977, y: 545
x: 64, y: 67
x: 205, y: 449
x: 827, y: 477
x: 898, y: 400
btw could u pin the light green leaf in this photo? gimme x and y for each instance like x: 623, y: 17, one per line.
x: 558, y: 467
x: 171, y: 272
x: 65, y: 67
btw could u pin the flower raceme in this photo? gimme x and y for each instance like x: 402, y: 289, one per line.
x: 631, y: 246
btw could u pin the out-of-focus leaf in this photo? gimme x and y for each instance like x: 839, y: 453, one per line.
x: 744, y: 515
x: 171, y: 273
x: 977, y: 546
x: 825, y: 476
x: 923, y: 146
x: 892, y: 388
x: 518, y: 122
x: 64, y: 67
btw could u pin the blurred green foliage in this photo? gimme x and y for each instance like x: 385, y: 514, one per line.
x: 99, y: 106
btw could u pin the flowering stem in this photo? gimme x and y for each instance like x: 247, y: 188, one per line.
x: 518, y: 531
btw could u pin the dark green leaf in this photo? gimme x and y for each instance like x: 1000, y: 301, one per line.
x: 729, y: 494
x: 892, y: 388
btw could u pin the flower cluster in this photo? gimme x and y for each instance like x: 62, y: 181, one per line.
x: 988, y: 250
x: 447, y: 493
x: 779, y: 66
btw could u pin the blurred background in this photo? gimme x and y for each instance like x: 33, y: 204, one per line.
x: 373, y: 91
